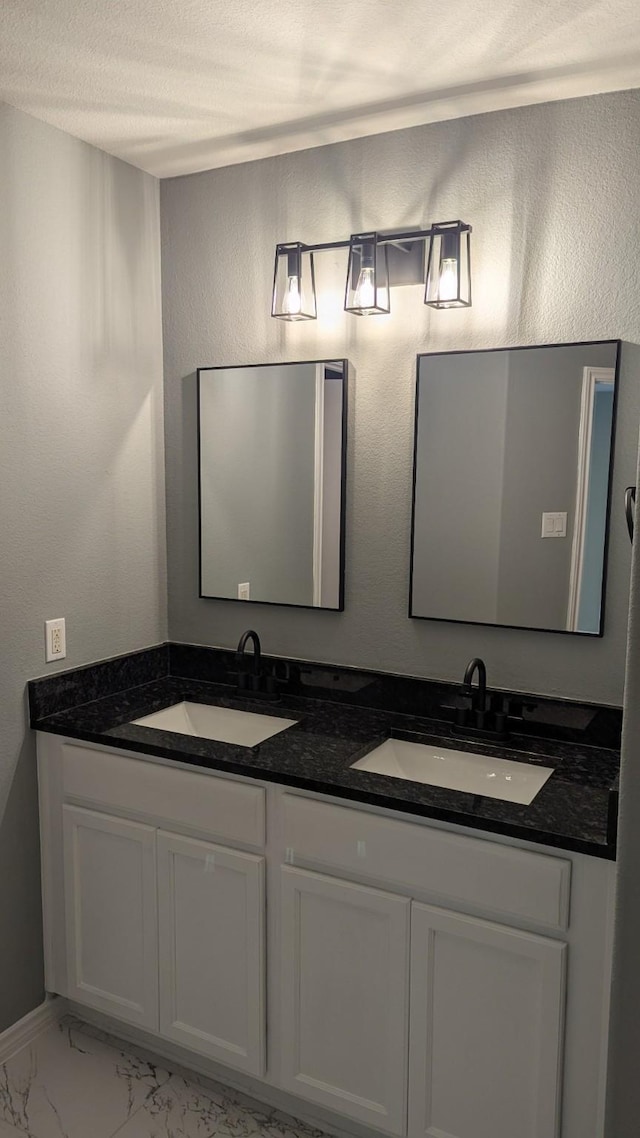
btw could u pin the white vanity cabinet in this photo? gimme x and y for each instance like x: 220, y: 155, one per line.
x: 485, y: 1004
x: 481, y: 1007
x: 345, y: 997
x: 211, y: 950
x: 111, y: 914
x: 487, y: 1012
x: 495, y: 999
x: 158, y: 928
x: 421, y: 980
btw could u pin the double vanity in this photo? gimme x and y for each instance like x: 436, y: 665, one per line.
x: 397, y: 757
x: 342, y: 906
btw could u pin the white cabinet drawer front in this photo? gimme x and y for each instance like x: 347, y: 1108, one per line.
x: 487, y: 1007
x: 218, y: 806
x: 211, y: 922
x: 509, y: 883
x: 110, y: 903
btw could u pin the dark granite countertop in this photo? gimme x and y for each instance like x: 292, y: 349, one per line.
x: 575, y: 809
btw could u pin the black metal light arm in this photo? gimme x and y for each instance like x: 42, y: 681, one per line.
x: 402, y: 237
x: 367, y: 292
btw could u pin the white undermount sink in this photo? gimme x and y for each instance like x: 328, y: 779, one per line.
x: 225, y: 724
x: 456, y: 770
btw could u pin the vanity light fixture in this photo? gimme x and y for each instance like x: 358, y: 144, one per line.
x: 294, y: 283
x: 367, y: 289
x: 369, y: 280
x: 449, y: 266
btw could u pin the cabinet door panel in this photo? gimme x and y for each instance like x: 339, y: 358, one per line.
x: 486, y: 1029
x: 345, y: 997
x: 211, y: 912
x: 110, y: 899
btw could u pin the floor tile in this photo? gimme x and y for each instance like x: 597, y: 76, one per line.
x: 7, y: 1131
x: 74, y: 1083
x: 182, y: 1108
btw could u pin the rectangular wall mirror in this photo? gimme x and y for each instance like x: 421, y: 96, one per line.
x: 272, y: 464
x: 512, y: 471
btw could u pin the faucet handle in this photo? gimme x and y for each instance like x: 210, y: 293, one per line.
x: 461, y: 716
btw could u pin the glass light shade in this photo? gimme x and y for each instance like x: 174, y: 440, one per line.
x: 449, y: 266
x: 294, y: 283
x: 367, y: 291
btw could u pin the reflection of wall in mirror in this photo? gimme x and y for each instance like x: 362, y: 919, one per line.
x: 541, y: 471
x: 459, y: 465
x: 257, y: 427
x: 271, y: 482
x: 543, y: 415
x: 497, y: 447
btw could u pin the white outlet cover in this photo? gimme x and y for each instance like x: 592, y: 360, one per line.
x: 55, y: 640
x: 244, y: 590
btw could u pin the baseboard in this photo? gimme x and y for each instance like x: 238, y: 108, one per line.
x: 183, y: 1061
x: 30, y: 1026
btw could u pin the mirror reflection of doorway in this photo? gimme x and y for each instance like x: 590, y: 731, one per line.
x: 327, y: 485
x: 587, y: 558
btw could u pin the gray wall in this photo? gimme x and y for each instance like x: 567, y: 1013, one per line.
x: 81, y: 512
x: 550, y: 264
x: 257, y: 446
x: 459, y: 485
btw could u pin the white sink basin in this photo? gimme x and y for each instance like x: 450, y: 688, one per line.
x: 226, y: 724
x: 456, y: 770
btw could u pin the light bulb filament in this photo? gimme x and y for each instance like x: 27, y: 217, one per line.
x: 365, y: 294
x: 292, y: 302
x: 448, y: 286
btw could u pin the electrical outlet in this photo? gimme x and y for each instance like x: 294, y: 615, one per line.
x: 55, y: 640
x: 244, y: 591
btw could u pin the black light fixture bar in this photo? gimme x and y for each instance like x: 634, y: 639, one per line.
x: 441, y: 277
x: 403, y: 236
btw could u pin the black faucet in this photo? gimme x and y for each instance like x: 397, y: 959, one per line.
x: 240, y: 652
x: 480, y: 719
x: 254, y: 679
x: 478, y: 694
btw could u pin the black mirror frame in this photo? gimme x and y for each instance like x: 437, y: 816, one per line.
x: 515, y: 348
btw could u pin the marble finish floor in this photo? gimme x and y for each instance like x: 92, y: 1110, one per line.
x: 76, y: 1081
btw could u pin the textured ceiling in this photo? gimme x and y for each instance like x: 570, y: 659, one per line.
x: 178, y: 87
